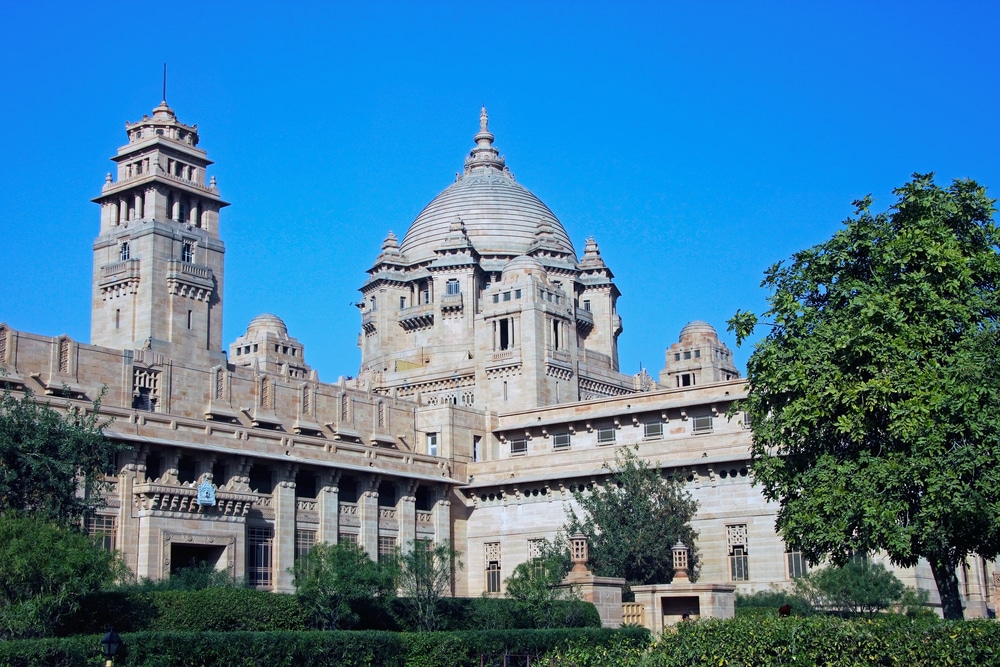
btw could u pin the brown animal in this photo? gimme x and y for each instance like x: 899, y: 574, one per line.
x: 784, y: 610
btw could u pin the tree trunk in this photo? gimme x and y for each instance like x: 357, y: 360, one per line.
x: 947, y: 585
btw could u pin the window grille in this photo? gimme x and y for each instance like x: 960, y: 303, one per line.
x: 260, y: 542
x: 304, y: 542
x: 652, y: 430
x: 102, y: 529
x: 606, y: 435
x: 560, y: 440
x: 736, y: 538
x: 386, y: 547
x: 492, y: 550
x: 702, y: 424
x: 518, y: 445
x: 797, y: 566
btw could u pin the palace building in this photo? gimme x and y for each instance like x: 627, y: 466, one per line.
x: 489, y: 389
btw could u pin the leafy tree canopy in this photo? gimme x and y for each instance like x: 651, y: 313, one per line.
x: 46, y: 566
x: 51, y: 463
x: 875, y: 397
x: 332, y: 579
x: 634, y: 520
x: 425, y: 576
x: 537, y: 583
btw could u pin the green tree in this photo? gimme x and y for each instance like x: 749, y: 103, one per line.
x: 46, y: 566
x: 52, y: 463
x: 875, y: 397
x: 633, y: 521
x: 537, y: 583
x: 856, y: 587
x: 425, y: 576
x: 332, y: 580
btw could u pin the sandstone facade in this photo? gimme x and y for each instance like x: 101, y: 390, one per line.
x: 489, y: 390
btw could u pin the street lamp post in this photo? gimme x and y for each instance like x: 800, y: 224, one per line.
x: 110, y: 643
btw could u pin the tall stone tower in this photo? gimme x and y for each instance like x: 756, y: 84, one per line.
x: 158, y: 262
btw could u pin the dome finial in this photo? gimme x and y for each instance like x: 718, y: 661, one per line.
x: 484, y: 155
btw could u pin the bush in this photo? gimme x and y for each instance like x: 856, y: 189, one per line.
x: 824, y: 640
x: 309, y: 649
x: 46, y: 567
x: 857, y: 587
x: 766, y: 603
x: 210, y: 609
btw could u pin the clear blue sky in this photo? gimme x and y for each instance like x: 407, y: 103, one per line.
x: 698, y: 142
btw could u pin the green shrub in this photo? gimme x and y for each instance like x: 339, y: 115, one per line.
x: 824, y: 640
x: 311, y: 649
x: 857, y: 587
x: 766, y: 603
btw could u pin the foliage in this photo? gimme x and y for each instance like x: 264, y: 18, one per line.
x: 633, y: 522
x: 45, y: 568
x: 856, y: 587
x: 875, y: 398
x: 627, y: 648
x: 313, y: 649
x: 48, y: 457
x: 136, y: 609
x: 767, y: 603
x: 193, y: 578
x: 333, y: 580
x: 425, y: 576
x: 829, y: 641
x: 537, y: 583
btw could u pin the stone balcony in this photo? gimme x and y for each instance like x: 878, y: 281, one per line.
x: 152, y: 499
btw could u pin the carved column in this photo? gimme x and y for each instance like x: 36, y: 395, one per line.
x: 368, y: 515
x: 441, y: 515
x: 406, y: 515
x: 284, y: 530
x: 328, y: 507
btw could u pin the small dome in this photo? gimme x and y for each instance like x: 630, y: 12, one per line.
x: 697, y: 327
x: 522, y: 265
x: 268, y: 322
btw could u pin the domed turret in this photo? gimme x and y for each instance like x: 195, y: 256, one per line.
x: 267, y: 344
x: 699, y: 357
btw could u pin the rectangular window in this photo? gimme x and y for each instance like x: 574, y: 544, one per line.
x: 102, y: 529
x: 738, y: 565
x: 517, y: 294
x: 432, y: 444
x: 605, y: 435
x: 701, y: 424
x: 348, y: 538
x: 736, y: 539
x: 402, y: 302
x: 259, y: 544
x: 677, y: 356
x: 687, y: 354
x: 187, y: 252
x: 386, y: 547
x: 518, y: 445
x: 304, y: 541
x: 697, y: 354
x: 506, y: 296
x: 652, y: 430
x: 452, y: 287
x: 560, y: 440
x: 492, y: 567
x: 797, y: 566
x: 123, y: 251
x: 496, y: 298
x: 477, y: 443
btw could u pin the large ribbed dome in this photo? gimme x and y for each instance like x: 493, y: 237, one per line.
x: 500, y: 216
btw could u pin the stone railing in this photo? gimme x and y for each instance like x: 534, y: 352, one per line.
x: 188, y: 269
x: 349, y: 508
x: 387, y: 512
x: 425, y: 517
x: 116, y: 268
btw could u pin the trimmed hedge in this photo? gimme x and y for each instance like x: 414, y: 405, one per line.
x: 816, y: 640
x: 305, y: 649
x: 249, y: 610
